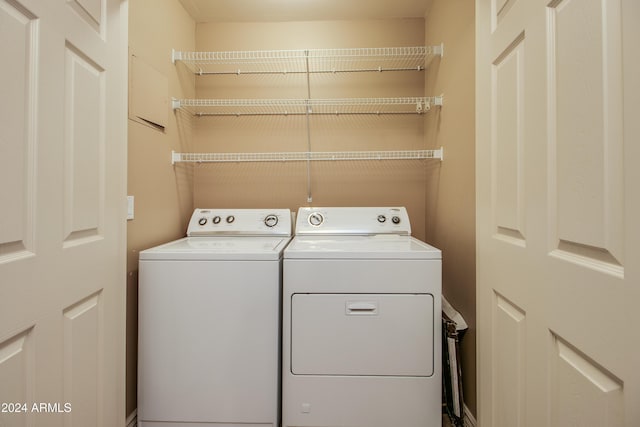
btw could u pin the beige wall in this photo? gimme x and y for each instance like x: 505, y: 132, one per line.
x: 285, y: 185
x: 450, y: 200
x: 163, y: 195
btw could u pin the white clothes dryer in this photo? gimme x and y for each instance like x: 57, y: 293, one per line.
x: 361, y: 322
x: 209, y: 322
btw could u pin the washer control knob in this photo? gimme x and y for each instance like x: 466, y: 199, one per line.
x: 216, y: 219
x: 202, y: 221
x: 230, y: 219
x: 395, y: 219
x: 316, y: 219
x: 382, y: 218
x: 271, y: 220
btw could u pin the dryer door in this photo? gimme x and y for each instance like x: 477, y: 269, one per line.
x: 362, y: 334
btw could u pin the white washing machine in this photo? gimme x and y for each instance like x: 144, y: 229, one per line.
x: 209, y: 322
x: 361, y: 322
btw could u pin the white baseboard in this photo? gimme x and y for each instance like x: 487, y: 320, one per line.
x: 132, y: 419
x: 469, y: 420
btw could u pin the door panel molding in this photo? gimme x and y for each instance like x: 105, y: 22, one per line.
x: 582, y: 391
x: 83, y: 370
x: 586, y: 184
x: 508, y: 373
x: 18, y: 124
x: 84, y: 148
x: 17, y: 370
x: 507, y: 105
x: 90, y: 11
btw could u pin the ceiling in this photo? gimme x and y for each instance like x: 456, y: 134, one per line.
x: 302, y: 10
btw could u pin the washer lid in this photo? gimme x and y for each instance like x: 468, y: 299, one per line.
x: 240, y: 248
x: 360, y: 247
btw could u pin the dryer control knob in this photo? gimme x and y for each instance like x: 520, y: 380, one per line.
x: 230, y: 219
x: 395, y: 220
x: 316, y: 219
x: 271, y: 220
x: 202, y: 221
x: 216, y: 219
x: 382, y: 218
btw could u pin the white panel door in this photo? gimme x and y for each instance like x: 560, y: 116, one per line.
x: 558, y: 240
x: 62, y: 219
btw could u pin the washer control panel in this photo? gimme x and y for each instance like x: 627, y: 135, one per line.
x: 353, y: 221
x: 248, y: 222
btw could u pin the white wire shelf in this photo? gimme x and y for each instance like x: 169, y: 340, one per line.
x: 309, y: 60
x: 286, y: 107
x: 295, y: 156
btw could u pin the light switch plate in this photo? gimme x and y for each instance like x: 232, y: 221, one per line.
x: 129, y: 207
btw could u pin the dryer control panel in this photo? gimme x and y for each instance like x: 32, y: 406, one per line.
x: 353, y: 221
x: 246, y: 222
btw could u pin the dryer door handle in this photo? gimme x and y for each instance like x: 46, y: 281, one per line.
x: 361, y: 308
